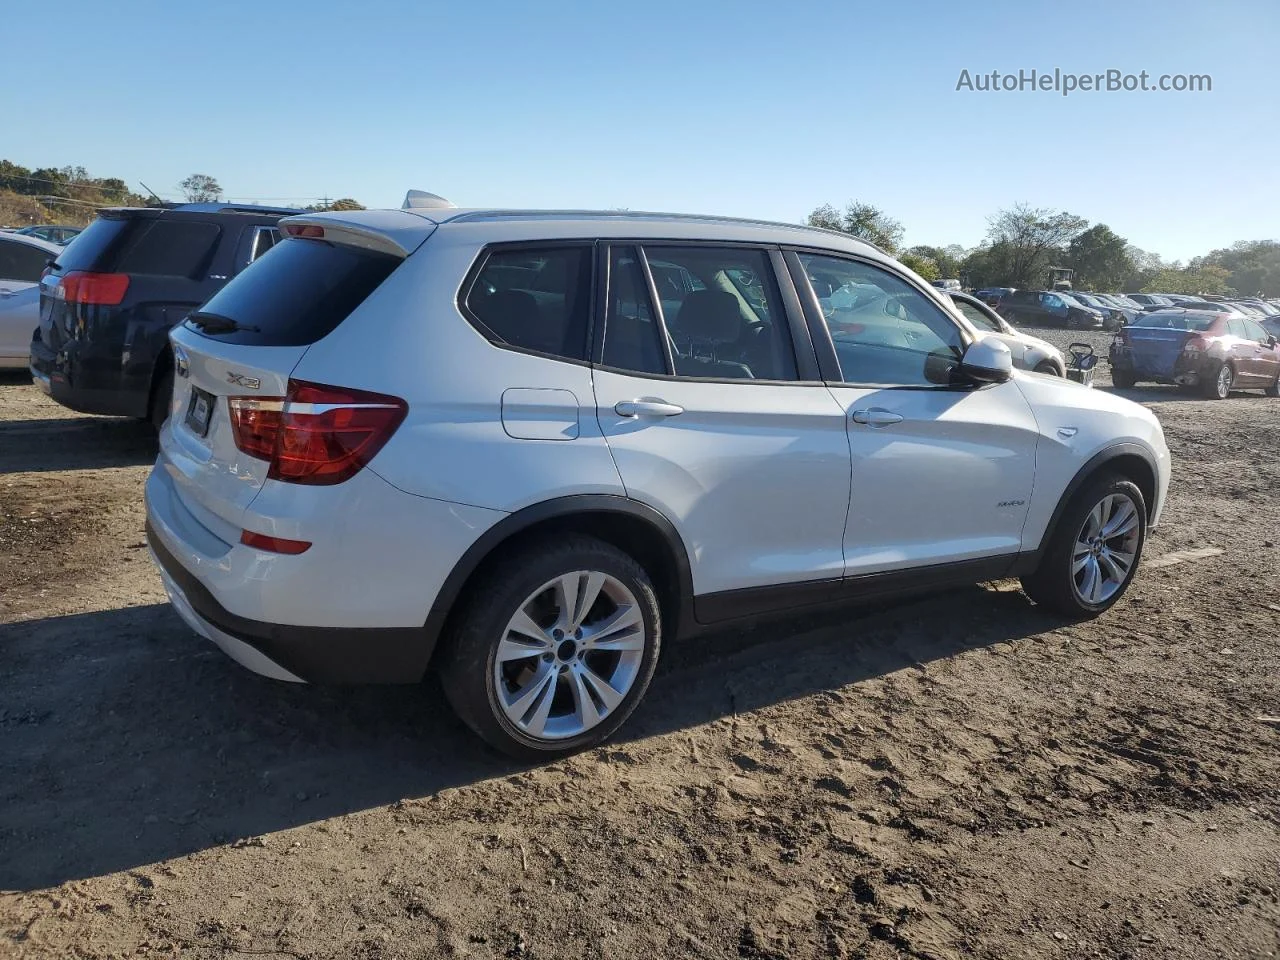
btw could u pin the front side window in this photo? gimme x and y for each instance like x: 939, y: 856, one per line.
x: 885, y: 331
x: 535, y: 298
x: 977, y: 317
x: 723, y: 313
x: 1254, y: 331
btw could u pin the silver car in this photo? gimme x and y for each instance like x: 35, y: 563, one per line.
x: 1029, y: 353
x: 22, y: 260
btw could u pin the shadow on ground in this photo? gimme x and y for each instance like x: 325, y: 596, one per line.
x: 128, y: 740
x: 79, y: 443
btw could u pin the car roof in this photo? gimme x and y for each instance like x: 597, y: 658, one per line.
x: 620, y: 223
x: 48, y: 246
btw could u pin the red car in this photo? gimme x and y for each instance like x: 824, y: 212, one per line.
x: 1214, y: 351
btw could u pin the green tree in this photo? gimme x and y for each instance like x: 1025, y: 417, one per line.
x: 200, y: 188
x: 1192, y: 279
x: 925, y: 266
x: 861, y: 220
x: 1034, y: 238
x: 1253, y: 266
x: 945, y: 258
x: 1100, y: 259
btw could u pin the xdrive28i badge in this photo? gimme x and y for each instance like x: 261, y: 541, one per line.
x: 240, y: 380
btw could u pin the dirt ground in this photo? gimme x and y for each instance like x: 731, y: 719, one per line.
x: 952, y: 777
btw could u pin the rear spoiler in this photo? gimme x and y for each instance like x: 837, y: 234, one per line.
x: 384, y: 231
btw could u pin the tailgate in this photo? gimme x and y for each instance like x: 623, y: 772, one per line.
x: 1155, y: 349
x: 214, y: 479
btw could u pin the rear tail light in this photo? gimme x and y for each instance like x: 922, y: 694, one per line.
x: 1194, y: 345
x: 97, y: 289
x: 317, y: 434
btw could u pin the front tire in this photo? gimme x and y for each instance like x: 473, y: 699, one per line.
x: 1093, y: 551
x: 1044, y: 366
x: 553, y: 648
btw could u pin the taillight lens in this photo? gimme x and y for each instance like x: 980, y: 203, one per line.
x: 317, y: 434
x: 96, y: 289
x: 1194, y: 345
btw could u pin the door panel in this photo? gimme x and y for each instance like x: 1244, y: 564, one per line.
x: 755, y: 476
x: 19, y: 317
x: 950, y: 480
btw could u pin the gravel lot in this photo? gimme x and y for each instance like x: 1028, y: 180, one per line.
x: 953, y: 777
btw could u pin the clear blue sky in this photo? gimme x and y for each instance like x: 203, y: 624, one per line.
x: 744, y: 108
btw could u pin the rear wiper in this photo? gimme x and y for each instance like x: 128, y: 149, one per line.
x: 217, y: 323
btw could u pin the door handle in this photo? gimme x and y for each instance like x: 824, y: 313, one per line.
x: 876, y: 417
x: 6, y: 292
x: 647, y: 408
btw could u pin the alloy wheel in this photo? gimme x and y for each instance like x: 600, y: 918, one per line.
x: 1106, y: 549
x: 1224, y: 382
x: 569, y: 655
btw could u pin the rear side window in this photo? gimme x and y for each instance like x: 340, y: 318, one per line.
x: 22, y: 262
x: 264, y: 238
x: 297, y: 295
x: 632, y: 336
x: 534, y: 298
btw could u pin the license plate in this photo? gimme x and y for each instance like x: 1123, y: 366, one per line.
x: 199, y: 411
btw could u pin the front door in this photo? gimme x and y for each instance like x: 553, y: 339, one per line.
x: 698, y: 396
x: 941, y: 474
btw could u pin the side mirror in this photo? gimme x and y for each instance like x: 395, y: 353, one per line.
x: 987, y: 361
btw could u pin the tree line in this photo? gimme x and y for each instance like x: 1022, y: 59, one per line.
x: 1023, y: 242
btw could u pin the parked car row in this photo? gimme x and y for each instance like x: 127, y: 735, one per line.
x: 53, y: 232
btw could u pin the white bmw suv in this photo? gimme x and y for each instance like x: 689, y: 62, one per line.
x: 528, y: 448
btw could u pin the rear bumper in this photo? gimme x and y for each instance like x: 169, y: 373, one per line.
x: 309, y: 654
x: 62, y: 375
x: 351, y: 609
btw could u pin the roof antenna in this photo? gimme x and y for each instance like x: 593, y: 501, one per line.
x: 421, y: 200
x: 155, y: 195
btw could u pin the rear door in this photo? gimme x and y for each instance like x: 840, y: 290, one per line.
x: 242, y: 346
x: 1265, y: 361
x: 713, y: 419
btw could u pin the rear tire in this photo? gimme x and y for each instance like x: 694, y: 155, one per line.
x: 1080, y: 549
x: 1274, y: 389
x: 532, y: 672
x: 1217, y: 386
x: 161, y: 400
x: 1122, y: 378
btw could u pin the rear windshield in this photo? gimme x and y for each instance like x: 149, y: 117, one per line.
x: 297, y: 295
x: 1175, y: 321
x: 144, y: 246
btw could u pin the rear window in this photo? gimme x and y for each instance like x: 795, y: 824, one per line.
x: 1175, y: 321
x: 87, y: 251
x: 144, y: 246
x: 299, y: 294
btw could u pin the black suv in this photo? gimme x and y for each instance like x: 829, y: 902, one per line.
x: 108, y: 301
x: 1048, y: 308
